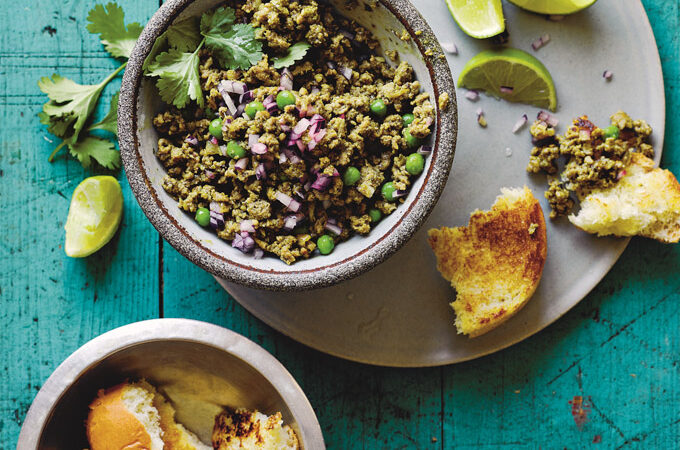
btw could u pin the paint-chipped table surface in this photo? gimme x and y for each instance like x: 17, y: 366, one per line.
x: 605, y: 375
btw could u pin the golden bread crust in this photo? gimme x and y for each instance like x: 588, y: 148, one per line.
x: 110, y: 426
x: 495, y: 263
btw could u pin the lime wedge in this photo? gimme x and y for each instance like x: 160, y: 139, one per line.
x: 94, y: 215
x: 511, y: 74
x: 478, y: 18
x: 556, y: 7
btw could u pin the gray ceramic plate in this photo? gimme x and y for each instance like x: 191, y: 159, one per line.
x: 398, y: 314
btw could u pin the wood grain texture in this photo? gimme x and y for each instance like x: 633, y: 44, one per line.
x: 619, y: 349
x: 52, y: 304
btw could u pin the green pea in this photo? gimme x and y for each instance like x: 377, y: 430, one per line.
x: 352, y: 175
x: 375, y: 215
x: 325, y: 244
x: 378, y: 108
x: 611, y: 131
x: 285, y: 98
x: 253, y: 107
x: 407, y: 119
x: 387, y: 191
x: 203, y: 217
x: 411, y: 141
x: 216, y: 128
x: 415, y: 163
x: 235, y: 150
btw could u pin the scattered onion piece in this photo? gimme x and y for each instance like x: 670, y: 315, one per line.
x: 224, y: 92
x: 506, y: 89
x: 258, y: 148
x: 286, y: 79
x: 260, y: 172
x: 258, y: 253
x: 252, y: 139
x: 520, y: 123
x: 287, y: 201
x: 191, y: 140
x: 608, y: 75
x: 399, y: 193
x: 548, y: 118
x: 247, y: 225
x: 346, y: 72
x: 241, y: 164
x: 322, y: 183
x: 424, y: 150
x: 333, y: 228
x: 450, y: 47
x: 471, y: 95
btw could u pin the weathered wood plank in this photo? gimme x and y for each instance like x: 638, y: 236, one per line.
x: 51, y: 304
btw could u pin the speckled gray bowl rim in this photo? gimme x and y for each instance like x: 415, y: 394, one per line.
x: 417, y: 210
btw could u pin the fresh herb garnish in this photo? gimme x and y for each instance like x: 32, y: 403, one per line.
x: 72, y: 105
x: 295, y: 53
x: 234, y: 46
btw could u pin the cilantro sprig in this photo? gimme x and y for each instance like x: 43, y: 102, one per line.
x: 177, y: 68
x: 68, y: 113
x: 295, y: 53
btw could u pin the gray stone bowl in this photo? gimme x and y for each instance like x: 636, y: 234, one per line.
x: 200, y: 367
x: 139, y: 102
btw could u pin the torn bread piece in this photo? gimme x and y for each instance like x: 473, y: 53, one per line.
x: 495, y: 263
x: 644, y: 202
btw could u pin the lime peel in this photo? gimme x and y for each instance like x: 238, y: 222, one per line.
x: 478, y: 18
x: 94, y: 215
x: 511, y: 74
x: 553, y: 7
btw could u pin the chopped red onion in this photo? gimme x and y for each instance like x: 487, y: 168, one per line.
x: 223, y: 150
x: 286, y: 79
x: 292, y: 157
x: 258, y: 253
x: 346, y: 72
x: 620, y: 175
x: 241, y: 164
x: 538, y: 43
x: 284, y: 127
x: 224, y: 92
x: 260, y: 172
x: 335, y: 172
x: 301, y: 112
x: 291, y: 221
x: 520, y: 123
x: 242, y: 241
x: 282, y: 157
x: 252, y: 139
x: 424, y: 150
x: 472, y: 95
x: 191, y: 140
x: 331, y: 65
x: 301, y: 126
x: 584, y: 134
x: 548, y: 118
x: 332, y: 220
x: 246, y: 97
x: 240, y: 111
x: 506, y: 89
x: 608, y: 75
x: 450, y: 47
x: 216, y: 216
x: 301, y: 145
x: 545, y: 38
x: 210, y: 174
x: 319, y: 135
x: 213, y: 140
x: 311, y: 145
x: 259, y: 148
x: 335, y: 229
x: 316, y: 90
x: 247, y: 226
x: 234, y: 87
x: 287, y: 201
x: 399, y: 193
x: 322, y: 183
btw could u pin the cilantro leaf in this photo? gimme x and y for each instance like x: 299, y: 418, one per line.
x: 101, y: 150
x: 218, y: 21
x: 179, y: 79
x: 110, y: 121
x: 296, y: 52
x: 236, y: 48
x: 108, y: 22
x: 70, y: 104
x: 184, y: 36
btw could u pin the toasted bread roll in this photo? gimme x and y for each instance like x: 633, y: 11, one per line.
x: 253, y: 430
x: 495, y: 263
x: 134, y: 416
x: 644, y: 202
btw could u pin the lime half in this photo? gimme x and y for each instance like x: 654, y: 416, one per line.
x: 511, y: 74
x: 94, y: 215
x: 478, y: 18
x: 553, y: 7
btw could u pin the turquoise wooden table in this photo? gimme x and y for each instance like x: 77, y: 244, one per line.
x: 605, y: 375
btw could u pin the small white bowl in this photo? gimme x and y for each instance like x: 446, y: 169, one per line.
x: 201, y: 367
